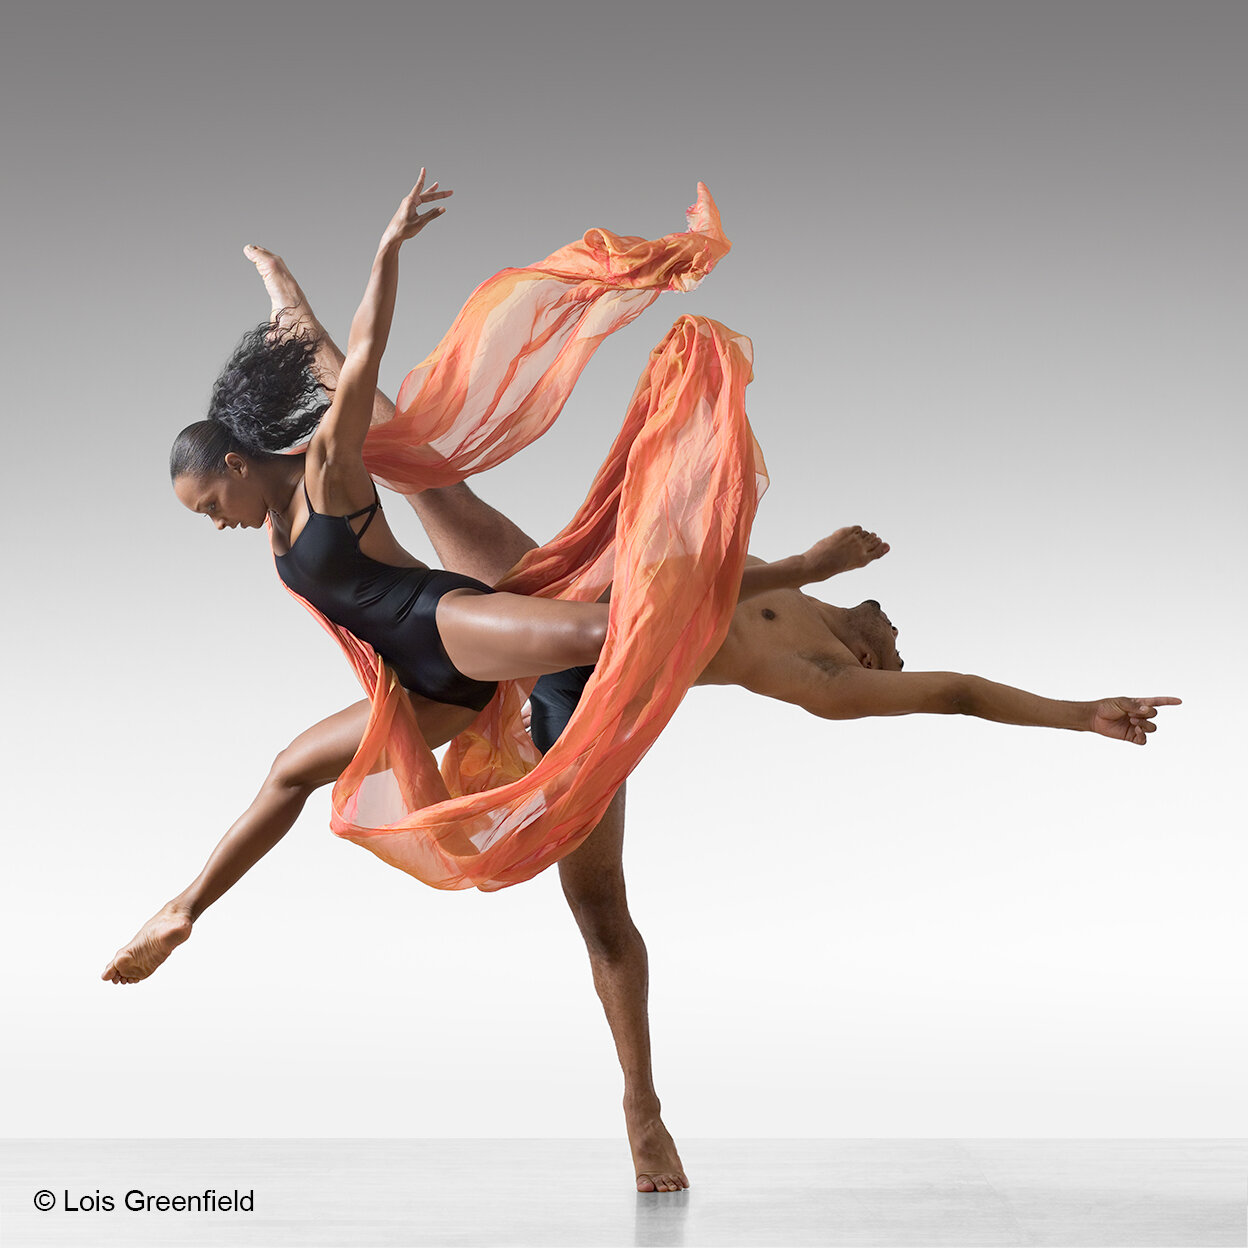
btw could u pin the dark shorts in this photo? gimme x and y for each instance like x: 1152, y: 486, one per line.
x: 552, y: 702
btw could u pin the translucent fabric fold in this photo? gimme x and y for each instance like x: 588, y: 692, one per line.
x: 666, y: 525
x: 505, y: 368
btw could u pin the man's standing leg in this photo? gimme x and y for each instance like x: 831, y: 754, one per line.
x: 471, y: 537
x: 593, y: 883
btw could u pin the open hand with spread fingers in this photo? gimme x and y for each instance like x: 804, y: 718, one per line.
x: 409, y: 220
x: 1128, y: 719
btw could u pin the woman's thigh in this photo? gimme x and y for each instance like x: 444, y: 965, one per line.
x: 320, y: 754
x: 510, y: 636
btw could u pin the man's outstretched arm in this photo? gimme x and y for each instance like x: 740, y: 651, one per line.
x: 845, y: 691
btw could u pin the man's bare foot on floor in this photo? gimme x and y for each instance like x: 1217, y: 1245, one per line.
x: 655, y: 1159
x: 155, y: 941
x: 290, y: 304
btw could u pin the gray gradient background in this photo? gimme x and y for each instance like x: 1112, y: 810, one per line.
x: 991, y: 259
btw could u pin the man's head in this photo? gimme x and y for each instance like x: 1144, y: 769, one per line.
x: 874, y: 640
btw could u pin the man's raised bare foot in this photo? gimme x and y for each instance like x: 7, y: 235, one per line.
x: 843, y: 551
x: 155, y: 941
x: 290, y: 304
x: 655, y: 1158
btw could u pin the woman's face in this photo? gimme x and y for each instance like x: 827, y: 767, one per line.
x: 232, y: 499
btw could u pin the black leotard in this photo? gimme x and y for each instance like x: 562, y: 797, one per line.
x: 391, y: 608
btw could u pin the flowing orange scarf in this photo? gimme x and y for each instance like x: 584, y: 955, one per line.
x: 666, y: 524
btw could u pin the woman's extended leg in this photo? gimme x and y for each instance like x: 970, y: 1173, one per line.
x: 314, y: 758
x: 510, y: 636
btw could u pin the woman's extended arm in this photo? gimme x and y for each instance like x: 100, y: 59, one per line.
x: 342, y: 431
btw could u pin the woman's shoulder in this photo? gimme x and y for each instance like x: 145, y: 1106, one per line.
x: 337, y: 488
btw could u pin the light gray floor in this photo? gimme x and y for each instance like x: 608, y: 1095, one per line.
x: 1134, y: 1193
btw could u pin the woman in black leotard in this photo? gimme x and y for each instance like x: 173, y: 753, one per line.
x: 448, y: 637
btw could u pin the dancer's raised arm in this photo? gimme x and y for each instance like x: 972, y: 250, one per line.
x: 342, y: 430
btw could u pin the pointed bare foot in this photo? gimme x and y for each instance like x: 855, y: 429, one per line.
x: 155, y: 941
x: 655, y: 1158
x: 289, y: 303
x: 845, y: 550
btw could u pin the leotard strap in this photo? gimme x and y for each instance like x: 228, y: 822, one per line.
x: 371, y: 510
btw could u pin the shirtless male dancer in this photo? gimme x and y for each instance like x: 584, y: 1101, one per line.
x: 835, y: 662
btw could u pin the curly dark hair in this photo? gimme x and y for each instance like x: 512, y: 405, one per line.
x: 265, y: 400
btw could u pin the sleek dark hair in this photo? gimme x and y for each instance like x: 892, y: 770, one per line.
x: 265, y: 400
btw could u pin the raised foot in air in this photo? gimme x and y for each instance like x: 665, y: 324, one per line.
x: 284, y: 293
x: 843, y: 551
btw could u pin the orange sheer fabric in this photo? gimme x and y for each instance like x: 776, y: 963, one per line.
x: 506, y: 367
x: 666, y: 524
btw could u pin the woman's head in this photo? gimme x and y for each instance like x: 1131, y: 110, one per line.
x: 235, y: 495
x: 265, y: 400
